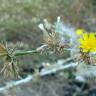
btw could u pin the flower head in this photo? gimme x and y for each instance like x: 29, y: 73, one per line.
x: 88, y: 42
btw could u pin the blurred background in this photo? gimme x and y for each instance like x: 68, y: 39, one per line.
x: 19, y: 21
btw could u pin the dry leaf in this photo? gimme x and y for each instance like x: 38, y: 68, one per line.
x: 3, y: 50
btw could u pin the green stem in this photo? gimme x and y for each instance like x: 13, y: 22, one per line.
x: 20, y: 53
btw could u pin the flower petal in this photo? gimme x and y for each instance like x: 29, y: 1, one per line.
x: 79, y: 31
x: 85, y: 36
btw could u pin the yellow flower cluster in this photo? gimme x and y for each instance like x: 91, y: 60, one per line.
x: 87, y: 41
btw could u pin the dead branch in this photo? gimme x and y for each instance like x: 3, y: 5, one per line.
x: 42, y: 73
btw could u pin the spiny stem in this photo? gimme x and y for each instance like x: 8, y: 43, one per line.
x: 20, y: 53
x: 39, y: 49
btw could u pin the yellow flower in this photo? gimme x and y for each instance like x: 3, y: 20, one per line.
x: 80, y: 31
x: 88, y: 42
